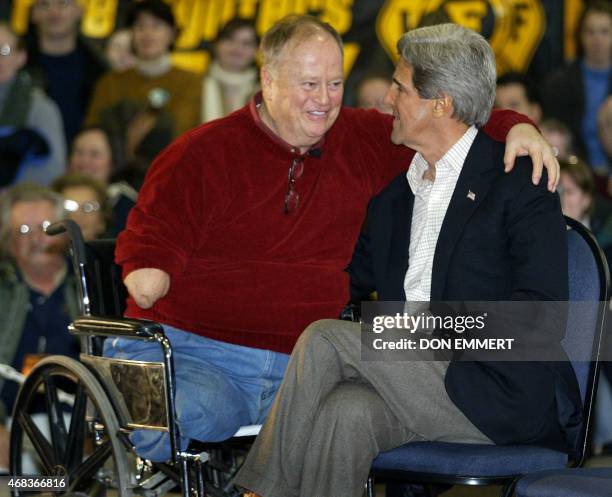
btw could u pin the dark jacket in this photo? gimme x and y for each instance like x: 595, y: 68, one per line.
x: 496, y: 247
x: 14, y: 302
x: 94, y: 67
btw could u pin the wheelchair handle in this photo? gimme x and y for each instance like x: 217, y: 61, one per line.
x: 79, y: 258
x: 75, y: 235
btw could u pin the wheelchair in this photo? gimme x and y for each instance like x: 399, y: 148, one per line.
x: 74, y: 417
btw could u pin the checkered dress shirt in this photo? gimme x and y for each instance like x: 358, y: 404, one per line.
x: 430, y: 206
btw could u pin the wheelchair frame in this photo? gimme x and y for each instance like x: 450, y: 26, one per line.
x: 91, y: 328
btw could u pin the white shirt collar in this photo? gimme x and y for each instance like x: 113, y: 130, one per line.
x: 452, y: 159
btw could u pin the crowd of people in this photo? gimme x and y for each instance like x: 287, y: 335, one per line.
x: 79, y: 131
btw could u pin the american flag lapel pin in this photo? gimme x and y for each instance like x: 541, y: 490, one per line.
x: 471, y: 195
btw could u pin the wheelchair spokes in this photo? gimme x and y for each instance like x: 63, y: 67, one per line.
x: 57, y: 426
x: 66, y: 417
x: 73, y: 453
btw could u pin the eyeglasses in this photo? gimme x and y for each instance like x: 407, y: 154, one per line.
x: 6, y: 50
x: 26, y: 229
x: 292, y: 197
x: 85, y: 207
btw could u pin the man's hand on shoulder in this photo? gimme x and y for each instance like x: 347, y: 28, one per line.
x: 147, y: 286
x: 524, y: 139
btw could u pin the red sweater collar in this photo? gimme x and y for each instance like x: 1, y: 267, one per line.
x: 254, y: 104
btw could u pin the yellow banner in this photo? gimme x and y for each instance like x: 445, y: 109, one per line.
x: 513, y: 27
x: 517, y: 25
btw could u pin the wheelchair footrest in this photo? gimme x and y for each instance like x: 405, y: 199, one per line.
x: 156, y: 485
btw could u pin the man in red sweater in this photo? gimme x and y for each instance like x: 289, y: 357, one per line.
x: 244, y: 226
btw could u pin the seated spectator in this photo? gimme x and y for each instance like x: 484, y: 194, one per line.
x: 146, y: 107
x: 232, y: 76
x: 92, y: 156
x: 24, y: 107
x: 371, y: 91
x: 37, y: 290
x: 119, y: 52
x: 577, y: 190
x: 335, y: 411
x: 85, y: 202
x: 573, y: 94
x: 61, y: 61
x: 559, y: 136
x: 580, y: 201
x: 516, y: 92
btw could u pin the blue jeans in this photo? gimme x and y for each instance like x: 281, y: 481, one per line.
x: 219, y: 387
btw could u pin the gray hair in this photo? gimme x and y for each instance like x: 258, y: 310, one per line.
x: 452, y: 60
x: 24, y: 192
x: 293, y: 28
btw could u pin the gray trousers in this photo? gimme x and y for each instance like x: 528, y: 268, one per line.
x: 334, y: 413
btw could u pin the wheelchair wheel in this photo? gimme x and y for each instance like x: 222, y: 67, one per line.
x: 63, y: 398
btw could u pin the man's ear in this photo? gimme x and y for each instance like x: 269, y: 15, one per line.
x: 443, y: 105
x: 265, y: 76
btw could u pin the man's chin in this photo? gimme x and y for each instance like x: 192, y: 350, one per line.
x: 42, y: 260
x: 318, y: 130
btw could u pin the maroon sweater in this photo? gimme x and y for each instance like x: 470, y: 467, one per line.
x: 211, y: 214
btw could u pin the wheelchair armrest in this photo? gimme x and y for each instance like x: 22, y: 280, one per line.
x: 109, y: 327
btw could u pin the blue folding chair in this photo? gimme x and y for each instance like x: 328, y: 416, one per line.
x: 576, y: 482
x: 438, y: 463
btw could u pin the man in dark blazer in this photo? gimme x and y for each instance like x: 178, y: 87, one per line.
x: 454, y: 228
x: 492, y: 246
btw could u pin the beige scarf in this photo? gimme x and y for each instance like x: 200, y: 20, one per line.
x: 154, y: 68
x: 224, y: 92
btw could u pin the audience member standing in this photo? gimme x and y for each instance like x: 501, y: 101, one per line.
x: 63, y: 61
x: 574, y: 93
x: 146, y: 107
x: 232, y: 77
x: 24, y: 107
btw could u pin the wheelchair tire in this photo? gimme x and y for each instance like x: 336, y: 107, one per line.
x: 88, y: 451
